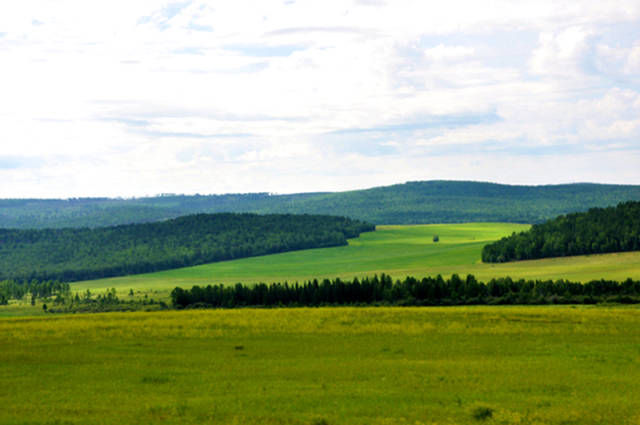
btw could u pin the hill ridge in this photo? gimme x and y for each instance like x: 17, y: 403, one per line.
x: 412, y: 202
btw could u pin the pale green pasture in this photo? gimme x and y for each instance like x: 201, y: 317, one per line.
x: 395, y: 250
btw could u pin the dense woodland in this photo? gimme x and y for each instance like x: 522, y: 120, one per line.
x: 409, y: 203
x: 410, y: 291
x: 83, y: 253
x: 599, y: 230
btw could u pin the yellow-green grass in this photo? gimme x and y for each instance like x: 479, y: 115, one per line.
x: 395, y: 250
x: 18, y: 308
x: 510, y: 365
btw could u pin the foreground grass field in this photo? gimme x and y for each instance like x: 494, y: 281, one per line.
x: 395, y: 250
x: 461, y: 365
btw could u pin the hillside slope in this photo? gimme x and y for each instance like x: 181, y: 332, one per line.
x: 75, y: 254
x: 399, y: 251
x: 597, y: 231
x: 408, y: 203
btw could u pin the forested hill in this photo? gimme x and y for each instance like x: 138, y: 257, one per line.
x: 409, y: 203
x: 600, y: 230
x: 83, y: 253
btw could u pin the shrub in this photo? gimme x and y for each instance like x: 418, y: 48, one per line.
x: 482, y: 413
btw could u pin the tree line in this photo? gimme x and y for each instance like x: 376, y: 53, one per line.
x: 72, y: 254
x: 599, y: 230
x: 58, y: 298
x: 10, y: 289
x: 428, y: 291
x: 102, y: 302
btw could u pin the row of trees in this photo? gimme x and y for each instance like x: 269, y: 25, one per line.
x: 10, y: 289
x: 599, y: 230
x: 71, y: 254
x: 101, y: 302
x: 410, y: 291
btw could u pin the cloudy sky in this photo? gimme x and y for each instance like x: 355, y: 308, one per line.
x: 131, y: 98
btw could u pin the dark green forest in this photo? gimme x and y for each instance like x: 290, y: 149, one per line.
x: 409, y: 203
x: 72, y: 254
x: 597, y: 231
x: 408, y: 292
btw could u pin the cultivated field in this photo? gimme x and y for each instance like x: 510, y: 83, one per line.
x: 459, y: 365
x: 395, y: 250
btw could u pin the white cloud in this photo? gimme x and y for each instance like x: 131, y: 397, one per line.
x: 442, y: 53
x: 619, y: 61
x: 562, y: 53
x: 130, y: 98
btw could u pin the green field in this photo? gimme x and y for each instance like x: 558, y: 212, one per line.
x: 457, y: 365
x: 395, y: 250
x: 326, y: 366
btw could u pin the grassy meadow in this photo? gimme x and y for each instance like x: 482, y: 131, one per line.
x: 324, y: 366
x: 458, y: 365
x: 395, y: 250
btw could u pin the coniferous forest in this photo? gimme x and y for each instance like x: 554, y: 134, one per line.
x: 72, y: 254
x: 410, y: 292
x: 597, y: 231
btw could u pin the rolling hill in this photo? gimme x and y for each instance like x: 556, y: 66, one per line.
x: 76, y: 254
x: 597, y: 231
x: 399, y: 251
x: 409, y: 203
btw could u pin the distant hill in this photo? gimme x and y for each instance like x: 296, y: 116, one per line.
x: 84, y: 253
x: 597, y: 231
x: 408, y: 203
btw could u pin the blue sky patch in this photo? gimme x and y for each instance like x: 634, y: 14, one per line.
x: 17, y: 162
x: 263, y: 50
x: 428, y: 122
x: 199, y: 27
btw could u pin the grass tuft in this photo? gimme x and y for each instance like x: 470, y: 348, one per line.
x: 154, y: 380
x: 482, y: 413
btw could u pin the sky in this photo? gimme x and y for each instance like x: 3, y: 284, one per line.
x: 136, y: 98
